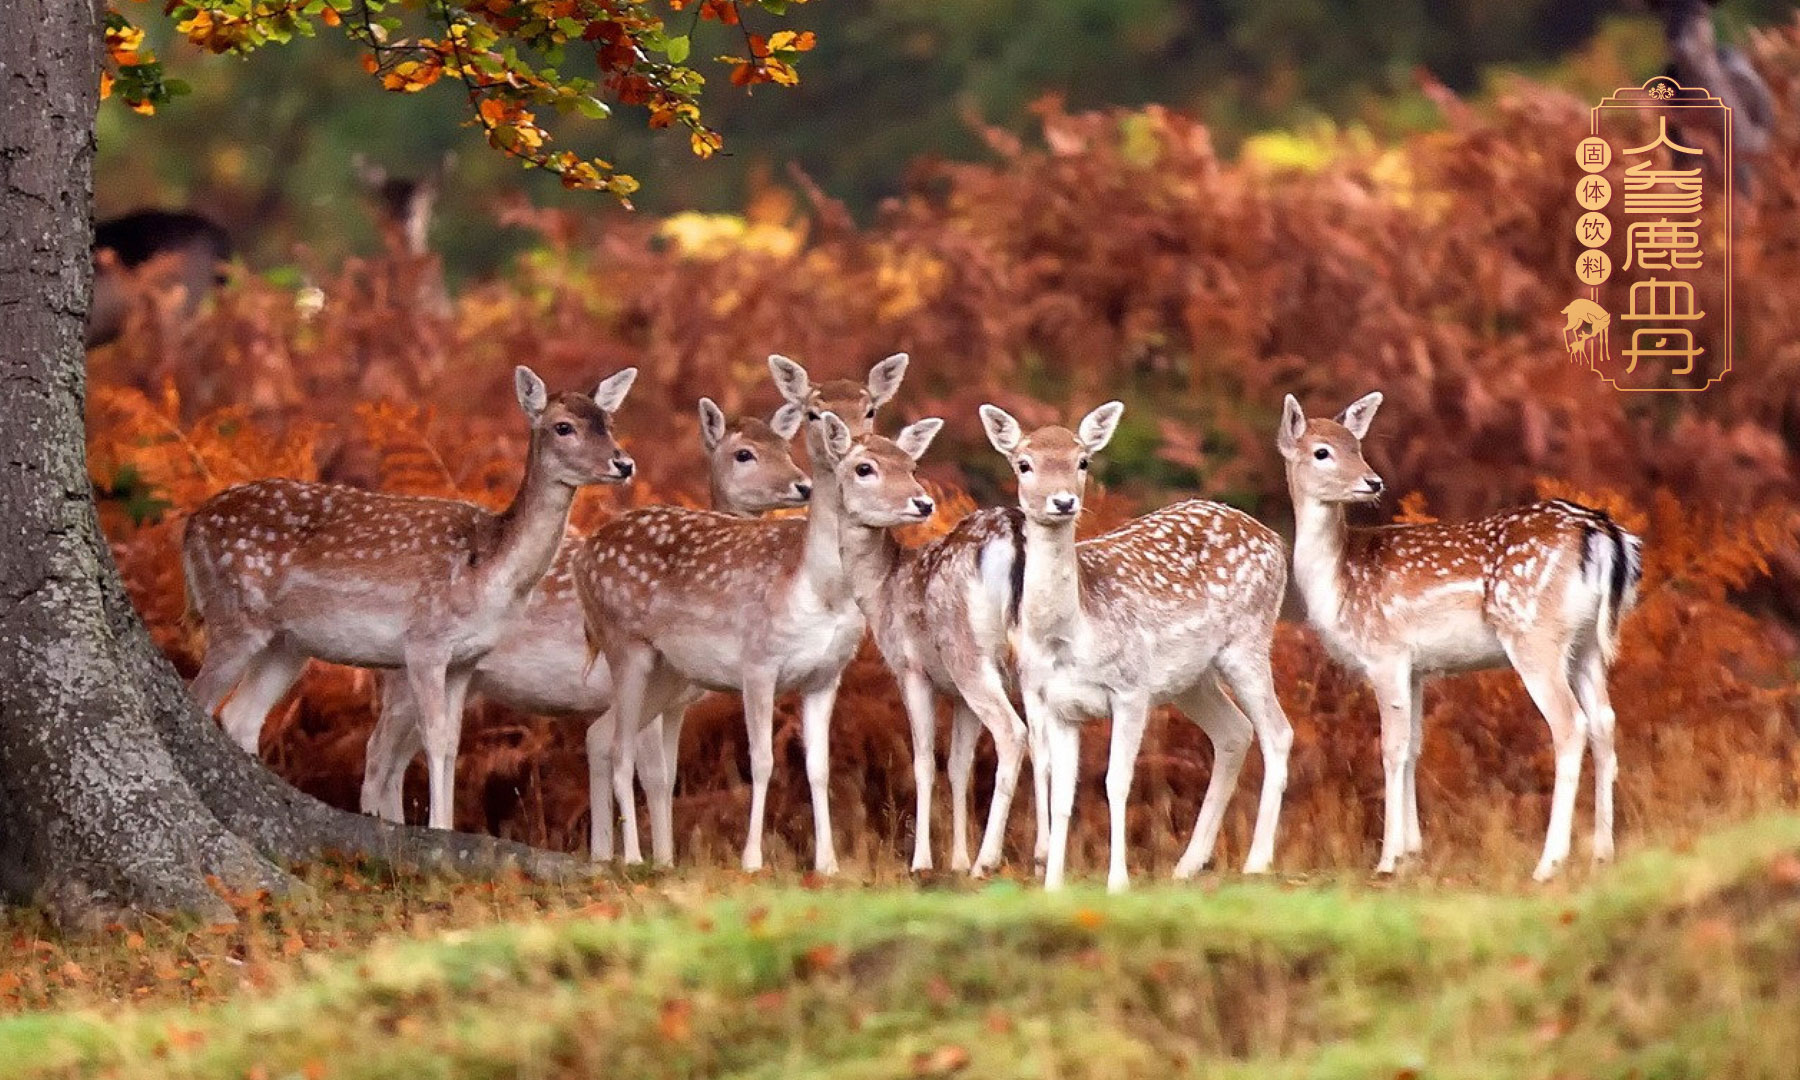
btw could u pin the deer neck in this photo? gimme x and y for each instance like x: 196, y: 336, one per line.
x: 822, y: 563
x: 870, y: 556
x: 1050, y: 608
x: 529, y: 532
x: 1319, y: 543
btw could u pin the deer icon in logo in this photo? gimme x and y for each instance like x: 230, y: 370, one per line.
x: 1584, y: 334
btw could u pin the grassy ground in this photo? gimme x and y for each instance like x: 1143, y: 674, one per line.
x: 1674, y: 964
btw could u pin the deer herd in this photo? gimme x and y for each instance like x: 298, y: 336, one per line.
x: 628, y: 626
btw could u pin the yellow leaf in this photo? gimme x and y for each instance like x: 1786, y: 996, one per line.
x: 106, y: 85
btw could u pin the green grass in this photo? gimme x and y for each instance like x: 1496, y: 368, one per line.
x: 1671, y: 965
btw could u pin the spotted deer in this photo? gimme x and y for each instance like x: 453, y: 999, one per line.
x: 678, y: 598
x: 940, y: 614
x: 540, y: 664
x: 282, y: 571
x: 1164, y: 608
x: 1540, y: 588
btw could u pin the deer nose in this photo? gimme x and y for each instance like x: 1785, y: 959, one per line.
x: 624, y: 467
x: 923, y: 506
x: 803, y: 489
x: 1063, y: 504
x: 1373, y: 483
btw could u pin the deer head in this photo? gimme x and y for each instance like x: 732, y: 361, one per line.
x: 1324, y: 457
x: 875, y: 475
x: 571, y: 434
x: 854, y: 403
x: 751, y: 468
x: 1052, y: 463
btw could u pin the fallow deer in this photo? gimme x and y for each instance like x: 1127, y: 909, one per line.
x: 1541, y: 588
x: 1161, y: 609
x: 940, y: 613
x: 540, y: 664
x: 678, y: 598
x: 193, y: 247
x: 282, y: 571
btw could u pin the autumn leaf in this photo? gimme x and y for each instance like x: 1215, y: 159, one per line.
x: 943, y: 1061
x: 676, y: 1020
x: 705, y: 143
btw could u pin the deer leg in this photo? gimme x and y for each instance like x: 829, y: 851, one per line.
x: 1253, y: 684
x: 600, y: 736
x: 815, y: 732
x: 673, y: 718
x: 988, y: 702
x: 1037, y: 744
x: 1550, y: 691
x: 1230, y: 731
x: 1414, y: 840
x: 637, y: 704
x: 1130, y: 717
x: 759, y: 723
x: 442, y: 731
x: 965, y: 730
x: 1393, y: 693
x: 390, y: 750
x: 229, y: 653
x: 656, y: 771
x: 1063, y: 758
x: 1590, y: 688
x: 272, y: 674
x: 921, y: 714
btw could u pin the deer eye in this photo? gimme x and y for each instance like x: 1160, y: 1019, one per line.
x: 744, y: 455
x: 1321, y: 453
x: 1024, y: 467
x: 870, y: 414
x: 865, y: 469
x: 1082, y: 464
x: 563, y: 427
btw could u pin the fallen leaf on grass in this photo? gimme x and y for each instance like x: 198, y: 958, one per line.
x: 940, y: 1062
x: 677, y: 1020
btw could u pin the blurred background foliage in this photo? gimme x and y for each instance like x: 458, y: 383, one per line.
x: 266, y: 145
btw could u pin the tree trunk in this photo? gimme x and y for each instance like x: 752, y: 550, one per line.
x: 115, y: 793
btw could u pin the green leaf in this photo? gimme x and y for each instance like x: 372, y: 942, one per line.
x: 592, y: 108
x: 679, y: 48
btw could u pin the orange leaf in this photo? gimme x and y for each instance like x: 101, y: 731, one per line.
x: 1089, y: 919
x: 677, y: 1019
x: 941, y: 1062
x: 330, y: 16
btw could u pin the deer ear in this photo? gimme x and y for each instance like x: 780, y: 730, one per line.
x: 1293, y: 426
x: 1097, y: 427
x: 915, y: 439
x: 884, y: 378
x: 1360, y: 414
x: 712, y: 424
x: 786, y: 421
x: 790, y: 379
x: 610, y: 394
x: 533, y: 398
x: 837, y: 436
x: 1002, y: 430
